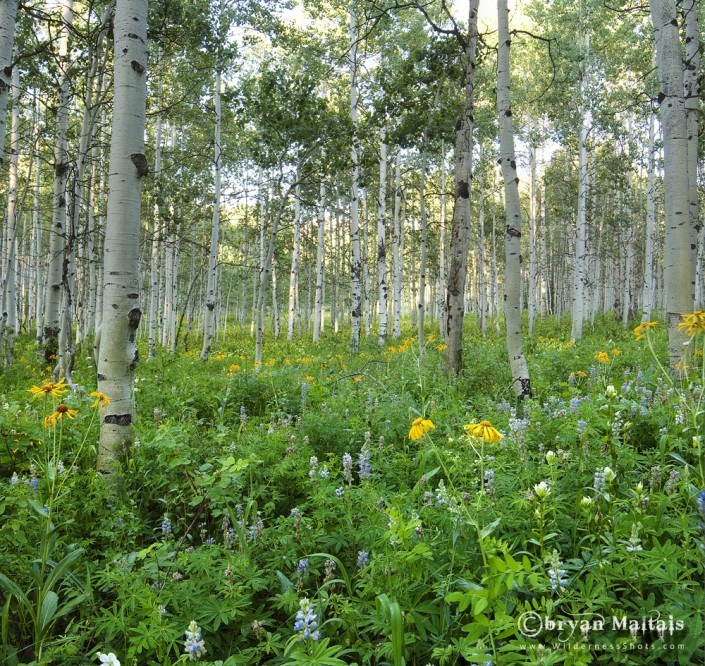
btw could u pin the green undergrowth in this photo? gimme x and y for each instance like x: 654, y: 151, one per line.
x: 285, y: 510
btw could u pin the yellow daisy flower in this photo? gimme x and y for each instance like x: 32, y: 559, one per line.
x: 483, y: 431
x: 57, y: 389
x: 642, y: 329
x: 59, y: 413
x: 100, y: 399
x: 602, y: 357
x: 693, y: 323
x: 419, y: 428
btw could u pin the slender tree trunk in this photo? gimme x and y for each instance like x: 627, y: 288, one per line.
x: 512, y: 273
x: 423, y: 249
x: 678, y: 252
x: 156, y: 230
x: 209, y: 313
x: 533, y: 239
x: 382, y: 240
x: 460, y: 233
x: 580, y: 277
x: 57, y: 236
x: 9, y: 295
x: 355, y: 264
x: 320, y: 253
x: 398, y: 257
x: 442, y: 247
x: 128, y: 165
x: 295, y: 259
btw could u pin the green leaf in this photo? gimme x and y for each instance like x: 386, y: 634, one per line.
x: 46, y: 614
x: 13, y: 588
x: 488, y: 529
x: 60, y: 569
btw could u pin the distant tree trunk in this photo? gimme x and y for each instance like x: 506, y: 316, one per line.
x: 57, y: 235
x: 482, y: 255
x: 210, y: 313
x: 117, y: 356
x: 356, y: 263
x: 677, y: 251
x: 512, y: 277
x: 382, y: 239
x: 533, y: 239
x: 366, y: 300
x: 156, y: 230
x: 580, y: 277
x: 442, y: 247
x: 460, y: 233
x: 692, y: 92
x: 423, y: 250
x: 320, y: 253
x: 9, y: 296
x: 295, y: 259
x: 398, y: 257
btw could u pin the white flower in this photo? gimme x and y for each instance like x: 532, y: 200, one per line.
x: 109, y: 659
x: 550, y: 457
x: 541, y: 490
x: 609, y: 474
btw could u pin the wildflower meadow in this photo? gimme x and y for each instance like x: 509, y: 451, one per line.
x: 322, y: 508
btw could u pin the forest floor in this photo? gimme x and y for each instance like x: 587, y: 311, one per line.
x: 328, y: 509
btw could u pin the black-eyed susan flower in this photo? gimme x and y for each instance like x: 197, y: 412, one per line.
x: 57, y: 389
x: 693, y: 323
x: 100, y: 399
x: 59, y: 412
x: 420, y: 427
x: 642, y: 329
x: 483, y: 431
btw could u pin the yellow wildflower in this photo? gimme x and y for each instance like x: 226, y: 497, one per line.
x: 309, y: 378
x: 442, y: 347
x: 270, y: 362
x: 57, y: 389
x: 287, y: 361
x: 569, y: 344
x: 616, y: 352
x: 234, y: 367
x: 219, y: 356
x: 602, y: 357
x: 581, y: 373
x: 420, y: 427
x: 693, y: 323
x: 483, y: 431
x: 58, y: 413
x: 100, y: 399
x: 357, y: 379
x: 642, y: 329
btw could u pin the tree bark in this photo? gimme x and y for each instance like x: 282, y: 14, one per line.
x: 460, y: 231
x: 677, y: 251
x: 382, y: 240
x: 356, y: 263
x: 117, y: 356
x: 512, y: 273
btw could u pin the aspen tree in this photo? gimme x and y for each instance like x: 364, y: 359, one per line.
x: 295, y: 259
x: 398, y: 256
x: 117, y: 351
x: 320, y: 253
x: 8, y: 18
x: 460, y: 232
x: 382, y: 239
x: 57, y: 235
x: 209, y: 312
x: 356, y: 261
x: 677, y: 249
x: 512, y: 311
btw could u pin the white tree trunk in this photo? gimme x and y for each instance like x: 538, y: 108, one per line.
x: 512, y: 277
x: 320, y: 253
x: 442, y: 246
x: 692, y: 91
x: 9, y: 311
x: 156, y: 230
x: 421, y: 318
x: 382, y: 240
x: 533, y: 239
x: 57, y: 235
x: 356, y: 263
x: 398, y: 258
x: 677, y: 251
x: 8, y: 17
x: 295, y: 259
x: 209, y: 312
x: 117, y: 356
x: 580, y: 276
x: 460, y: 233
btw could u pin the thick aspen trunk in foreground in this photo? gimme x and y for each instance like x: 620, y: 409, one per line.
x: 8, y: 17
x: 460, y: 231
x: 117, y: 352
x: 677, y: 250
x: 512, y: 280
